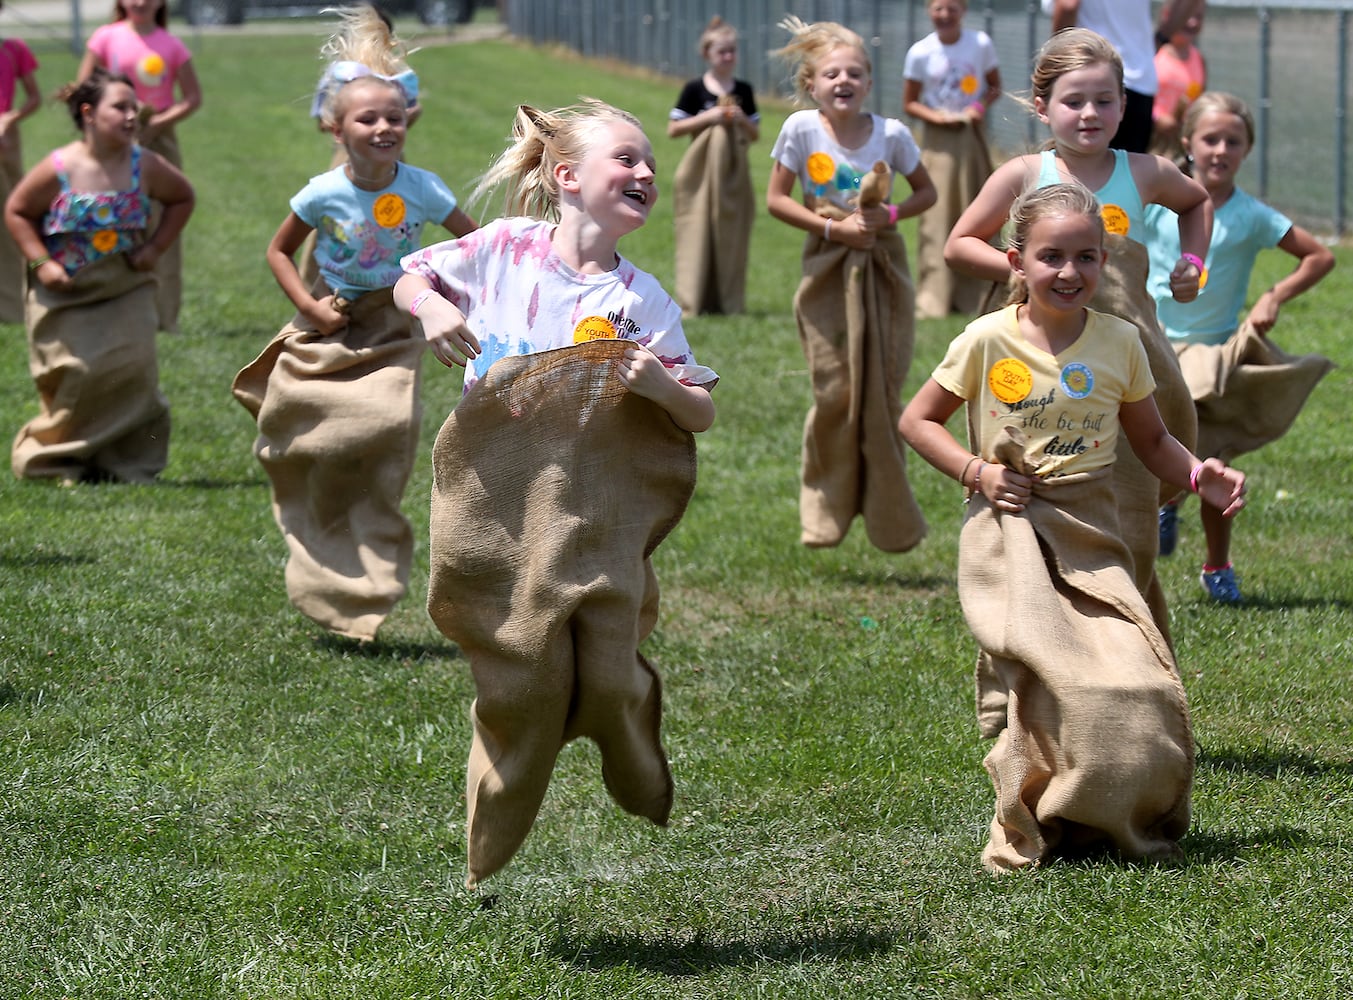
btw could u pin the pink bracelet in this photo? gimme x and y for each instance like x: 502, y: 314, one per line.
x: 892, y: 215
x: 1193, y: 477
x: 979, y: 106
x: 1194, y: 259
x: 419, y: 299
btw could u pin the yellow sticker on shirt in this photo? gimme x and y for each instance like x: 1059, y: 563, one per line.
x: 104, y: 240
x: 968, y: 85
x: 389, y: 210
x: 593, y: 328
x: 1116, y: 220
x: 1010, y: 380
x: 1202, y: 279
x: 1193, y: 91
x: 821, y: 168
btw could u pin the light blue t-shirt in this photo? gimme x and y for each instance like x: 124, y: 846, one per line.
x: 1243, y: 226
x: 360, y: 235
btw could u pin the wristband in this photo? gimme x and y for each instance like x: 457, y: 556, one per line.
x: 1193, y: 477
x: 419, y: 299
x: 1195, y: 260
x: 979, y: 106
x: 964, y: 474
x: 827, y: 231
x: 892, y: 215
x: 33, y: 265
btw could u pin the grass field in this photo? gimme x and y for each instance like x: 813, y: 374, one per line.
x: 202, y: 796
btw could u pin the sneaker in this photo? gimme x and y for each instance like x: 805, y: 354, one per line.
x: 1169, y: 528
x: 1221, y: 585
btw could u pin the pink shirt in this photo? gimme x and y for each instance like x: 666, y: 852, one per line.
x: 1181, y: 80
x: 151, y: 61
x: 16, y: 62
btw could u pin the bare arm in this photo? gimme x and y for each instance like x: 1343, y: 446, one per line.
x: 968, y: 249
x: 1066, y: 14
x: 444, y: 326
x: 281, y: 256
x: 24, y: 209
x: 918, y: 109
x: 166, y: 184
x: 1162, y: 183
x: 190, y: 99
x: 1314, y: 261
x: 459, y: 223
x: 643, y: 373
x: 12, y: 117
x: 1170, y: 462
x: 89, y: 62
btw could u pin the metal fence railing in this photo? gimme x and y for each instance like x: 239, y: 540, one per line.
x: 1288, y: 60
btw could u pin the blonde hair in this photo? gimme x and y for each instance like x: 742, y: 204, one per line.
x: 541, y: 140
x: 1209, y: 101
x: 1036, y: 204
x: 364, y: 35
x: 810, y: 44
x: 718, y: 30
x: 1069, y: 50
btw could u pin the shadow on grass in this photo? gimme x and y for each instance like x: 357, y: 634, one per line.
x: 381, y: 649
x: 42, y: 560
x: 1228, y: 845
x: 698, y: 955
x: 1256, y: 603
x: 213, y: 484
x: 1274, y: 763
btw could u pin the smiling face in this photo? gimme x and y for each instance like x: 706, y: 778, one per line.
x: 841, y: 82
x: 722, y: 57
x: 113, y: 119
x: 1218, y: 145
x: 1060, y: 261
x: 946, y: 16
x: 372, y: 124
x: 616, y: 180
x: 1083, y: 108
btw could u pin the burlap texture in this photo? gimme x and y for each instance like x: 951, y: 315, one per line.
x: 13, y: 267
x: 1079, y: 687
x: 959, y: 163
x: 1247, y: 390
x: 338, y: 420
x: 91, y: 352
x: 169, y: 268
x: 713, y: 204
x: 553, y: 485
x: 856, y: 316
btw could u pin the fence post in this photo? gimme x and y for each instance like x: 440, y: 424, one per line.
x: 1265, y: 98
x: 1341, y: 125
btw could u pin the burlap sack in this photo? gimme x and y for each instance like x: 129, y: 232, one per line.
x: 553, y: 485
x: 169, y: 268
x: 959, y: 162
x: 1247, y: 391
x: 1093, y: 739
x: 714, y: 205
x: 856, y: 315
x: 91, y: 351
x: 13, y: 267
x: 338, y: 421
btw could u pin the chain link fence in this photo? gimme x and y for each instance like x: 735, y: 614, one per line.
x: 1289, y: 61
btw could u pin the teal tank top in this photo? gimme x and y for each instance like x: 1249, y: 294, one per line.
x: 1119, y: 201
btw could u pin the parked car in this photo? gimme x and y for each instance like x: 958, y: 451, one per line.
x: 437, y: 13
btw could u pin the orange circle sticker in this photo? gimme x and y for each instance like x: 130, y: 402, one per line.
x: 104, y: 240
x: 968, y: 85
x: 1193, y: 91
x: 152, y: 65
x: 388, y: 210
x: 1202, y: 279
x: 1010, y: 380
x: 821, y: 168
x: 1116, y: 220
x: 593, y: 328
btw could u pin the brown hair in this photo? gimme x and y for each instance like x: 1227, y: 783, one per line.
x: 541, y: 140
x: 161, y: 13
x: 1069, y: 50
x: 1035, y: 204
x: 811, y: 44
x: 89, y: 91
x: 1218, y: 101
x: 718, y: 30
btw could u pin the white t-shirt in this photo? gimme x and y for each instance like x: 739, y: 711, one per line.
x: 830, y: 172
x: 519, y: 297
x: 1127, y: 24
x: 951, y: 76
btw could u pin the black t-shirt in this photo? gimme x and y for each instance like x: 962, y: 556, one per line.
x: 695, y: 97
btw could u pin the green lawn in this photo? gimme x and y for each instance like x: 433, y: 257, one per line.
x: 203, y: 796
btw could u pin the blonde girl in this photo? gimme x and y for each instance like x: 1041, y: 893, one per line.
x: 567, y: 460
x: 1076, y: 683
x: 335, y: 394
x: 855, y: 306
x: 138, y: 44
x: 82, y: 218
x: 1078, y: 93
x: 951, y: 80
x: 1246, y: 389
x: 713, y: 201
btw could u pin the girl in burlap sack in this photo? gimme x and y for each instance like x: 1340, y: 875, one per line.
x: 713, y: 201
x: 17, y: 67
x: 138, y: 44
x: 855, y: 306
x: 365, y: 44
x: 81, y: 217
x: 1077, y: 685
x: 1247, y: 390
x: 951, y: 79
x: 566, y: 462
x: 1078, y: 93
x: 336, y: 392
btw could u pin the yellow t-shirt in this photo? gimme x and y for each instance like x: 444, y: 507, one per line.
x: 1066, y: 405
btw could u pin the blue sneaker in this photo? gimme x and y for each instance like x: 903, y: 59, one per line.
x: 1169, y: 528
x: 1221, y: 585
